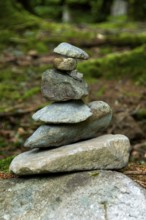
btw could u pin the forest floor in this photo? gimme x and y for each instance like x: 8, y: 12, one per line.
x: 20, y: 80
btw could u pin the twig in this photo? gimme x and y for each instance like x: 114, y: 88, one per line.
x: 141, y: 183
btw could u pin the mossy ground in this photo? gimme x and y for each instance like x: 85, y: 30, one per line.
x: 4, y: 164
x: 129, y: 64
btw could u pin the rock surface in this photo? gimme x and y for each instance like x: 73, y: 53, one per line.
x: 57, y: 86
x: 96, y: 195
x: 57, y: 135
x: 71, y: 51
x: 104, y: 152
x: 66, y: 64
x: 63, y: 112
x: 76, y: 75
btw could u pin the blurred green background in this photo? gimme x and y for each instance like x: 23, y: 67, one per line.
x: 112, y: 32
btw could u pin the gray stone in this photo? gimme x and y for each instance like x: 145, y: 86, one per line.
x: 71, y: 51
x: 57, y: 86
x: 104, y: 152
x: 76, y: 75
x: 96, y: 195
x: 63, y: 112
x: 57, y: 135
x: 66, y: 64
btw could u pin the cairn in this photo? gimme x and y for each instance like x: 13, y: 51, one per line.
x: 67, y: 139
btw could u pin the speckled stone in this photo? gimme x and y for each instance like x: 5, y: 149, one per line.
x: 69, y: 50
x: 104, y: 152
x: 94, y: 195
x: 57, y: 135
x: 63, y: 112
x: 57, y: 86
x: 76, y: 75
x: 65, y: 64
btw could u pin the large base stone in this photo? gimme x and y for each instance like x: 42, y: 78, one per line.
x: 104, y: 152
x: 97, y: 195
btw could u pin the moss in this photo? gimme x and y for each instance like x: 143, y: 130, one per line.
x: 140, y: 114
x: 2, y: 142
x: 9, y: 92
x: 90, y: 80
x: 31, y: 92
x: 8, y: 73
x: 127, y: 39
x: 100, y: 92
x: 13, y: 16
x: 5, y: 163
x: 48, y: 34
x: 94, y: 174
x: 16, y: 85
x: 106, y: 50
x: 125, y: 65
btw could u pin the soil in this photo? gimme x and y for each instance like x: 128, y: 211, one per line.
x: 126, y: 100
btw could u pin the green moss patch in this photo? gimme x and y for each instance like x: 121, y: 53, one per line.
x: 130, y: 64
x: 5, y: 163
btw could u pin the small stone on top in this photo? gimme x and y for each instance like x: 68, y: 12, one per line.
x: 65, y: 64
x: 69, y: 50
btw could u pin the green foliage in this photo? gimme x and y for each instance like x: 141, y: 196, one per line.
x: 5, y: 163
x: 126, y: 65
x: 13, y: 16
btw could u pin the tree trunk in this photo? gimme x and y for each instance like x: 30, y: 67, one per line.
x: 100, y: 10
x: 137, y: 10
x: 26, y: 4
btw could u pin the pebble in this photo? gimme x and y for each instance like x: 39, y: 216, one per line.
x: 64, y: 64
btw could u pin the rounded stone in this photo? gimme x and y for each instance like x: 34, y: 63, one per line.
x: 65, y: 64
x: 69, y: 50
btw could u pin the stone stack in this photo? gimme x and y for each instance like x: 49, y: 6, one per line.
x: 67, y: 140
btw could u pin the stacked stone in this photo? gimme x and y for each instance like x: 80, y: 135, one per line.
x: 67, y: 140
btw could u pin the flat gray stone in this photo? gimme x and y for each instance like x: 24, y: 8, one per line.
x: 104, y: 152
x: 57, y: 86
x: 65, y: 64
x: 69, y: 50
x: 96, y: 195
x: 63, y: 112
x: 57, y: 135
